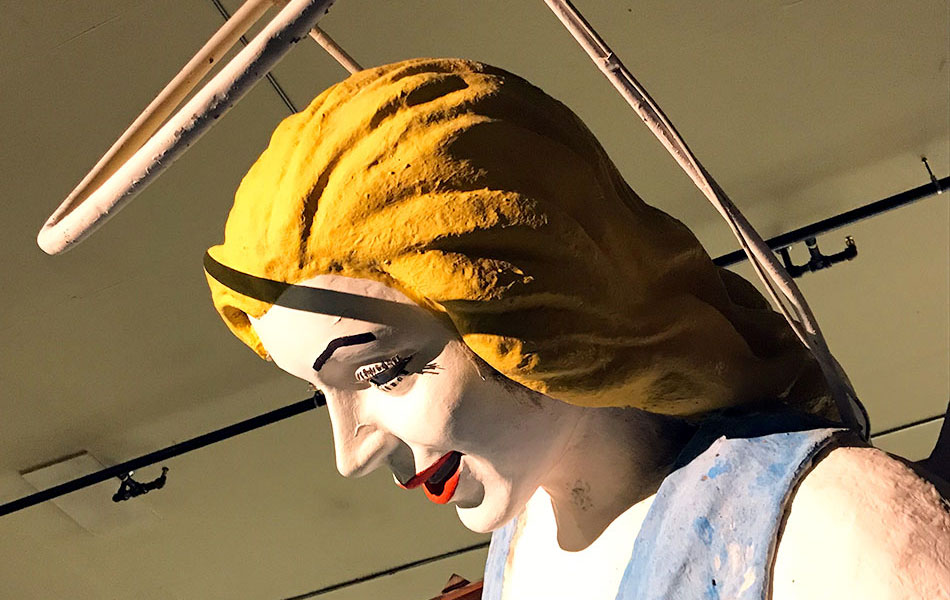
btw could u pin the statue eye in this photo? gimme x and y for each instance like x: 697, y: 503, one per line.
x: 386, y: 374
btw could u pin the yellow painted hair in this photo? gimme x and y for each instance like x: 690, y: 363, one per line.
x: 490, y: 203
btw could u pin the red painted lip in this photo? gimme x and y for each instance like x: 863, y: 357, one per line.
x: 421, y: 477
x: 442, y: 492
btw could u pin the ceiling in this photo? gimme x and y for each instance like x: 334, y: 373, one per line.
x: 800, y: 109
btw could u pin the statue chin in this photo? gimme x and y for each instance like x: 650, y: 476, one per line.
x: 486, y: 499
x: 485, y: 518
x: 476, y: 521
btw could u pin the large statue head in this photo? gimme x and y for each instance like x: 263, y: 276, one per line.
x: 489, y: 213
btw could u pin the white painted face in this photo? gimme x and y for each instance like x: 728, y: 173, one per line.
x: 407, y: 393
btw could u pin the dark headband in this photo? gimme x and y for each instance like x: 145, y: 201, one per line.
x: 315, y: 300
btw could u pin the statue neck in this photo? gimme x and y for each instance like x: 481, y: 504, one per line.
x: 615, y: 458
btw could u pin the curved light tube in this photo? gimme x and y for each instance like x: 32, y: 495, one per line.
x: 780, y: 286
x: 131, y: 164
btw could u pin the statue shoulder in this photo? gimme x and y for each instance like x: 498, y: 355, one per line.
x: 863, y: 524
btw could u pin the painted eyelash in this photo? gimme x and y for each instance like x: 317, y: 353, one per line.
x: 368, y: 372
x: 429, y: 369
x: 397, y: 365
x: 391, y: 384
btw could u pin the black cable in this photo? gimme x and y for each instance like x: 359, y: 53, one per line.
x: 845, y: 218
x: 269, y: 77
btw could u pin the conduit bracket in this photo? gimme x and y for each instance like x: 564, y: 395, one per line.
x: 933, y: 178
x: 131, y: 488
x: 817, y: 260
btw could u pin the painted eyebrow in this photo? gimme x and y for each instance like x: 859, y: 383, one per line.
x: 349, y: 340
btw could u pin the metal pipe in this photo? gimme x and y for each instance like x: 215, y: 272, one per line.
x: 797, y: 235
x: 838, y: 221
x: 334, y: 50
x: 159, y: 455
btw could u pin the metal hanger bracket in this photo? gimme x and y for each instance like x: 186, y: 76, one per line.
x: 817, y: 260
x: 131, y: 488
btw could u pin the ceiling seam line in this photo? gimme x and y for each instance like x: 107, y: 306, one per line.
x: 269, y: 76
x: 897, y: 428
x: 392, y: 571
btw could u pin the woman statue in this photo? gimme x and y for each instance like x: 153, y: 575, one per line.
x: 491, y: 312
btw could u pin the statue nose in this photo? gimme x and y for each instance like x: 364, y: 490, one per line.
x: 364, y: 451
x: 360, y: 446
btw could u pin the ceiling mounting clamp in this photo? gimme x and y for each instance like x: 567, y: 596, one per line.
x: 131, y: 488
x: 817, y: 260
x: 933, y: 178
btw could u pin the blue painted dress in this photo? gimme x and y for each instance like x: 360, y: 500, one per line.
x: 713, y: 527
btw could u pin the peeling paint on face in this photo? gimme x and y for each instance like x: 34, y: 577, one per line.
x: 580, y: 495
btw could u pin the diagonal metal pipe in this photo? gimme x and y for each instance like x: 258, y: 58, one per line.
x: 164, y: 454
x: 846, y: 218
x: 869, y: 210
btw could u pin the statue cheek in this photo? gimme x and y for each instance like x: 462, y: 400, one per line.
x: 437, y: 412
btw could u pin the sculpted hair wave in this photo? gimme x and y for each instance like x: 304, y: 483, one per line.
x: 491, y: 204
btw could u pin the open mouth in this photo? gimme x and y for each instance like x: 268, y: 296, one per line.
x: 440, y: 479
